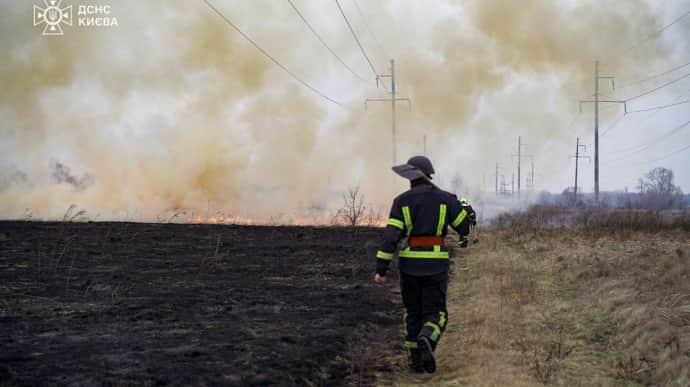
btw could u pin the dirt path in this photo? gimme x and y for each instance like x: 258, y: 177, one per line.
x: 566, y: 308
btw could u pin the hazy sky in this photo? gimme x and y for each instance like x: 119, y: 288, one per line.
x: 638, y: 142
x: 174, y: 110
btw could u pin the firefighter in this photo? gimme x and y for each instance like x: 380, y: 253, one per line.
x: 464, y: 239
x: 422, y: 215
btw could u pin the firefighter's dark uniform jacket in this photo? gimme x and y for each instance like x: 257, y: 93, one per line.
x: 471, y: 214
x: 424, y: 210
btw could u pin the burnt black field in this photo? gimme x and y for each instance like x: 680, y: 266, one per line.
x: 175, y: 304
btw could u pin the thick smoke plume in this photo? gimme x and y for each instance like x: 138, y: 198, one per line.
x: 173, y: 111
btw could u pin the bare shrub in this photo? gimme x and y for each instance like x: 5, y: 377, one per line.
x: 353, y: 212
x: 544, y: 365
x: 373, y: 218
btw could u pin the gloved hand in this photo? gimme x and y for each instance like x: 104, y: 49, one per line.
x: 464, y: 240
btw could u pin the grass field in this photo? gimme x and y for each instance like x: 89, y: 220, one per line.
x: 568, y: 307
x: 532, y: 303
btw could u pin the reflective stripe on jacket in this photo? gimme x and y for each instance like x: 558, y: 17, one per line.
x: 424, y: 210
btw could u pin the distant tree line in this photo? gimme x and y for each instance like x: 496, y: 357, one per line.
x: 656, y: 191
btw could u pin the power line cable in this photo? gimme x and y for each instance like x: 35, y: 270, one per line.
x: 657, y: 88
x: 323, y: 42
x: 277, y: 63
x: 654, y: 160
x: 649, y: 78
x: 673, y: 22
x: 658, y: 32
x: 582, y: 131
x: 655, y: 110
x: 659, y: 107
x: 670, y: 154
x: 366, y: 24
x: 573, y: 121
x: 619, y: 119
x: 639, y: 148
x: 646, y: 146
x: 613, y: 125
x: 373, y: 69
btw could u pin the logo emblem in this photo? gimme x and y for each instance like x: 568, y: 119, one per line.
x: 52, y: 16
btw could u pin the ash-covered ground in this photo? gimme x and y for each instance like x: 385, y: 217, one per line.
x: 159, y: 304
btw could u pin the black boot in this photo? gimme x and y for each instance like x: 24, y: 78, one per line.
x: 415, y: 360
x: 464, y: 240
x: 426, y: 354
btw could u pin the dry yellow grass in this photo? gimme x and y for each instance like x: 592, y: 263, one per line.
x: 566, y: 307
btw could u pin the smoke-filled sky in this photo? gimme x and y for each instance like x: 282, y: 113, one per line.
x: 172, y: 110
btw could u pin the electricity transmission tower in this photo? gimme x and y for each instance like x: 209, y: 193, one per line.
x: 530, y: 178
x: 596, y: 102
x: 496, y: 175
x: 577, y: 158
x: 504, y: 184
x: 641, y: 181
x: 393, y: 99
x: 519, y: 156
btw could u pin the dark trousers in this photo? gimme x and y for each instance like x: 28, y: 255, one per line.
x: 424, y: 299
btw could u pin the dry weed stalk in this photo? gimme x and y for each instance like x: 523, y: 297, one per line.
x: 206, y: 261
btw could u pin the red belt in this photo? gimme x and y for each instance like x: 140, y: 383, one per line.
x: 425, y: 241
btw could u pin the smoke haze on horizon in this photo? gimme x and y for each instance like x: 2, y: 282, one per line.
x: 174, y: 111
